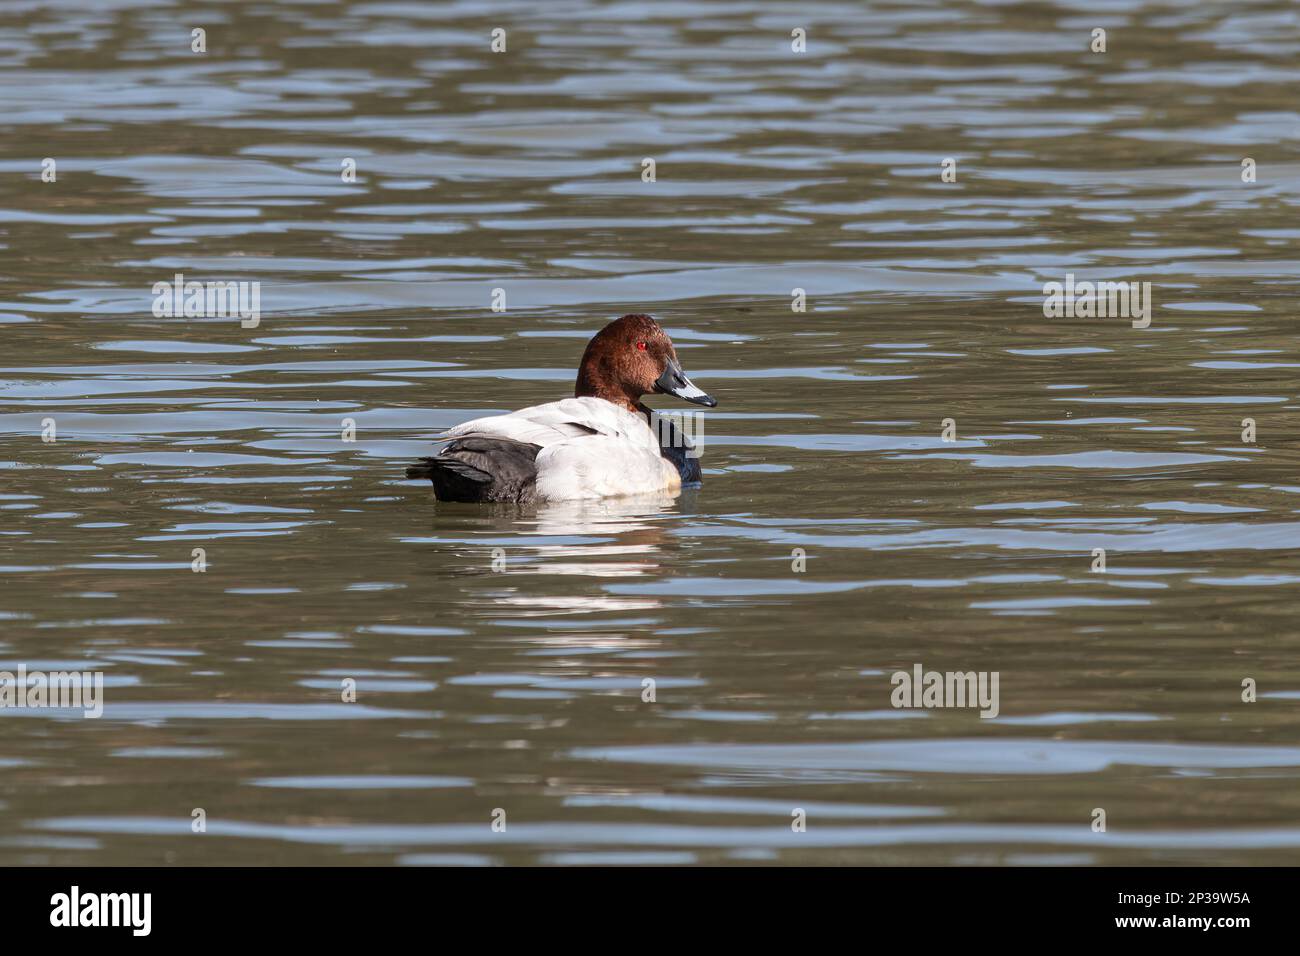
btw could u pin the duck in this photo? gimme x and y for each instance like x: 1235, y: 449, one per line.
x: 602, y: 443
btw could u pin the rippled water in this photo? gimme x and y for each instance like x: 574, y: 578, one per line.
x: 521, y: 689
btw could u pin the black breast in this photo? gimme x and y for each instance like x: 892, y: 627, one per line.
x: 677, y: 448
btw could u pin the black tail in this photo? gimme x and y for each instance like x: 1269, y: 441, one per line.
x: 481, y: 469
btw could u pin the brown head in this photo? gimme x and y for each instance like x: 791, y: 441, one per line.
x: 631, y: 357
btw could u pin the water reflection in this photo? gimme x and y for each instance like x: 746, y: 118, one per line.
x: 501, y: 656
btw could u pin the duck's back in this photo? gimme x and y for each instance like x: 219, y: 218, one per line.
x: 554, y: 422
x: 571, y: 449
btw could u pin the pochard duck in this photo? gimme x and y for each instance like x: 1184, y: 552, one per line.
x: 598, y: 444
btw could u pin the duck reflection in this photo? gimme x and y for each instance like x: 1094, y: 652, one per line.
x: 605, y: 538
x: 636, y: 524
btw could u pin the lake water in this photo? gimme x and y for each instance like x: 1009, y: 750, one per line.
x: 500, y: 656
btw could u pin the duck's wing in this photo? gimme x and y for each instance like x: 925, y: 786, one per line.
x: 555, y: 422
x: 480, y: 468
x: 601, y: 466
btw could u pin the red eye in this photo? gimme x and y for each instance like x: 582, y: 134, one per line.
x: 641, y: 346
